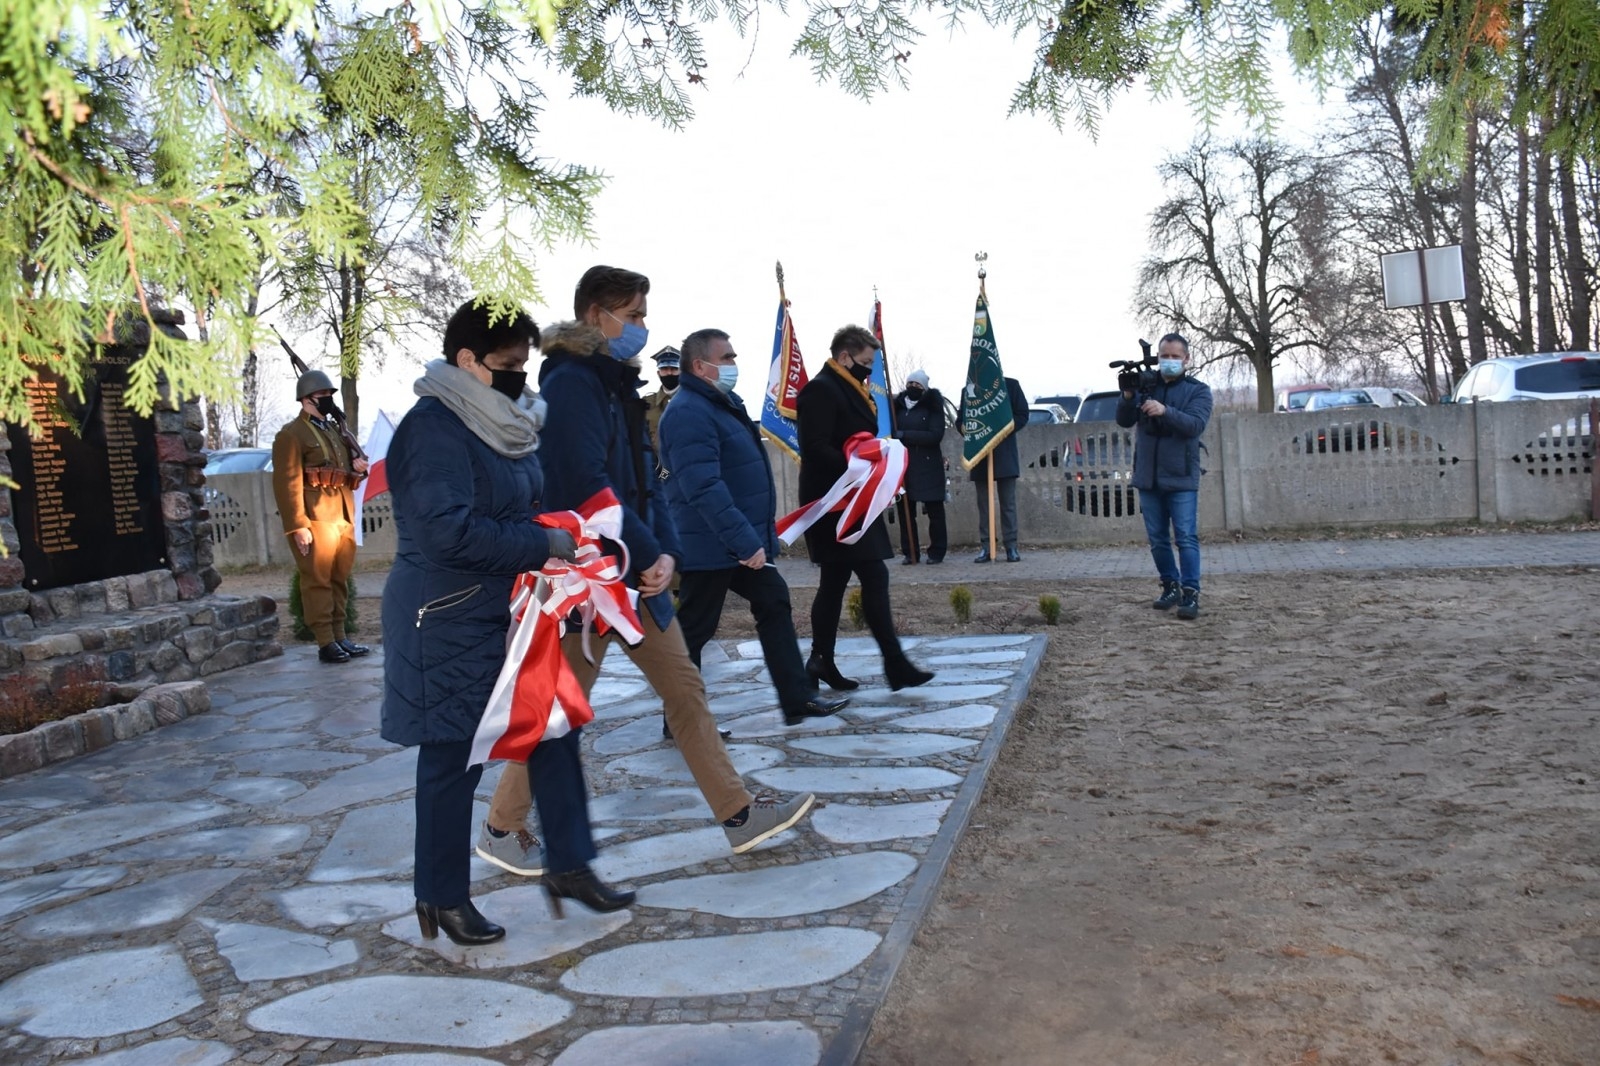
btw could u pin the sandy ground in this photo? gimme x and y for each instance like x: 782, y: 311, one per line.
x: 1339, y: 819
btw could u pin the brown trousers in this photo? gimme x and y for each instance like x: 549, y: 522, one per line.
x: 663, y: 658
x: 325, y: 577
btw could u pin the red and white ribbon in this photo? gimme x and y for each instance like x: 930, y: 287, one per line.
x: 875, y: 467
x: 537, y: 696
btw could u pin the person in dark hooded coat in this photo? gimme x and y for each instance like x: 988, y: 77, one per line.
x: 919, y: 425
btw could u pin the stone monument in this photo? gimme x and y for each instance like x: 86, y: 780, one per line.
x: 107, y: 601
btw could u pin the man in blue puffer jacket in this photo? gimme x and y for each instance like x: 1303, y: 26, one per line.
x: 719, y: 486
x: 1166, y: 471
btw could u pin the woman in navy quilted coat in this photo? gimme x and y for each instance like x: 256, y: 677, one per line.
x: 466, y: 486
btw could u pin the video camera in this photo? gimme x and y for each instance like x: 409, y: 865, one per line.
x: 1134, y: 375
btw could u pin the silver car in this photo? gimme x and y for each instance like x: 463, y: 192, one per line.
x: 1547, y: 376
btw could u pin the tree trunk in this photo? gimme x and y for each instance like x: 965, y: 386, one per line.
x: 1580, y: 291
x: 1471, y: 254
x: 250, y: 402
x: 1547, y: 339
x: 1522, y: 267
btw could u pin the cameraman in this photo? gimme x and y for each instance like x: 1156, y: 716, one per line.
x: 1171, y: 410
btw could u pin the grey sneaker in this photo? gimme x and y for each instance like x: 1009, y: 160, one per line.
x: 519, y: 852
x: 767, y: 818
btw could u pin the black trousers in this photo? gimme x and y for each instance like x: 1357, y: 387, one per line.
x: 701, y: 598
x: 938, y: 539
x: 874, y: 578
x: 555, y: 772
x: 445, y: 786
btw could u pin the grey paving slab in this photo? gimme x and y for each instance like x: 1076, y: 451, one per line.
x: 100, y: 994
x: 378, y: 779
x: 258, y: 791
x: 28, y: 893
x: 875, y: 746
x: 232, y: 845
x: 782, y: 891
x: 415, y: 1010
x: 268, y: 953
x: 836, y: 779
x: 669, y: 851
x: 631, y: 736
x: 153, y: 902
x: 667, y: 763
x: 177, y: 1052
x: 867, y: 823
x: 707, y: 1044
x: 965, y: 717
x: 649, y: 805
x: 723, y: 965
x: 45, y: 790
x: 173, y: 783
x: 319, y: 906
x: 74, y: 834
x: 423, y: 1059
x: 379, y: 841
x: 295, y: 760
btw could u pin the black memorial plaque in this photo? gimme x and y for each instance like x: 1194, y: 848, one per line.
x: 88, y: 505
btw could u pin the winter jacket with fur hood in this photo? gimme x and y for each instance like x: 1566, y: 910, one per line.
x: 595, y: 438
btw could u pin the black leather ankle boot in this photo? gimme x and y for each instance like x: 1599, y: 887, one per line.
x: 463, y: 924
x: 824, y: 670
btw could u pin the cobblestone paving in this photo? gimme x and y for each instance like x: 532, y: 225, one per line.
x: 236, y: 886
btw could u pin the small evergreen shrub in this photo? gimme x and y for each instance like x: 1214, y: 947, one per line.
x: 961, y: 603
x: 1050, y: 607
x: 852, y: 604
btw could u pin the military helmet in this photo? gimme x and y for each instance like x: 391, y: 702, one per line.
x: 312, y: 381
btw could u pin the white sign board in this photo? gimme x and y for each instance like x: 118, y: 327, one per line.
x: 1403, y: 276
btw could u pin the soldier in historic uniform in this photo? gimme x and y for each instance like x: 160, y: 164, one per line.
x: 315, y: 469
x: 667, y: 362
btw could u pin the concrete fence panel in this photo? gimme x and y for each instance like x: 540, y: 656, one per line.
x: 1490, y: 463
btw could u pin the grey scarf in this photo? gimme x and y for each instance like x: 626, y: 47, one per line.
x: 510, y: 428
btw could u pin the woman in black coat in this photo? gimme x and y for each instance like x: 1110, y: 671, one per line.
x: 834, y: 406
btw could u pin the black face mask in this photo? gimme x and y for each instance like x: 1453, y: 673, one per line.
x: 508, y: 383
x: 859, y: 372
x: 915, y: 392
x: 669, y: 381
x: 326, y: 406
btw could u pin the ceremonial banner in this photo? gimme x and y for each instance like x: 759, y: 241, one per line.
x: 785, y: 378
x: 878, y: 384
x: 874, y: 470
x: 986, y: 416
x: 377, y: 480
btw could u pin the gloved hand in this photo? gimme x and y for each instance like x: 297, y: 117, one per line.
x: 562, y: 545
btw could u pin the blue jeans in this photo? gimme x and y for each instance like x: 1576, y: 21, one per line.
x: 1170, y: 516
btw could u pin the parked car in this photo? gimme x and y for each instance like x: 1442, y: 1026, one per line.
x: 238, y: 460
x: 1546, y: 376
x: 1294, y: 397
x: 1098, y: 407
x: 1047, y: 414
x: 1387, y: 397
x: 1322, y: 401
x: 1068, y: 404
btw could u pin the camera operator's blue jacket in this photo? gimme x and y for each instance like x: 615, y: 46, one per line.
x: 1166, y: 453
x: 718, y: 478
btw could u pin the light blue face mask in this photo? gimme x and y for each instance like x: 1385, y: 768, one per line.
x: 632, y: 341
x: 1171, y: 368
x: 727, y: 378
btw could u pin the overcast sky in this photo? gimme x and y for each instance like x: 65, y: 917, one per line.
x: 898, y: 193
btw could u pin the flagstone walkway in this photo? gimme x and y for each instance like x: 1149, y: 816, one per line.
x: 236, y: 886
